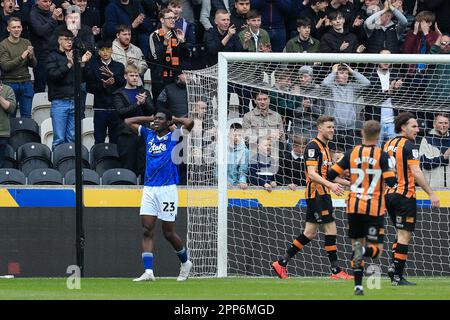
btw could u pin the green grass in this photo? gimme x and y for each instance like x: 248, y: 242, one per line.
x: 218, y: 289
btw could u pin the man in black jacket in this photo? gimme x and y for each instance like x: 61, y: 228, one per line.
x: 222, y: 37
x: 338, y: 39
x: 43, y: 23
x: 132, y: 101
x: 83, y: 40
x: 105, y: 76
x: 238, y: 15
x: 61, y: 88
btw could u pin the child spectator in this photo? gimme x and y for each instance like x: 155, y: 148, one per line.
x: 253, y: 37
x: 238, y: 158
x: 292, y: 164
x: 264, y: 163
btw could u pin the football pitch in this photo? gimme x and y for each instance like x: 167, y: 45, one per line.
x: 437, y: 288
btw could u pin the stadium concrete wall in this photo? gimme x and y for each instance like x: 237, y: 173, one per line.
x: 37, y: 232
x: 40, y: 242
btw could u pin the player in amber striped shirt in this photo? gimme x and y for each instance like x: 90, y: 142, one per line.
x: 318, y: 201
x: 401, y: 200
x: 369, y: 168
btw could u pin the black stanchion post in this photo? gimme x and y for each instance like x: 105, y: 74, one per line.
x: 77, y: 55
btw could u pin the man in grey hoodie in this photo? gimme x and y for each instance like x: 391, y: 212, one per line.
x: 342, y: 103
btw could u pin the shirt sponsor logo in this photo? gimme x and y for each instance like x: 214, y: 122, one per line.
x: 155, y: 148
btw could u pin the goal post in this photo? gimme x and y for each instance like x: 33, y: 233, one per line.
x: 238, y: 70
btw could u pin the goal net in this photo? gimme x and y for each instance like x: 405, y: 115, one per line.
x: 235, y: 226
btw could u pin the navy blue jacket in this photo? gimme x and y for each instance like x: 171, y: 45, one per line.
x: 273, y: 12
x: 103, y: 96
x: 261, y: 179
x: 115, y: 15
x: 42, y: 26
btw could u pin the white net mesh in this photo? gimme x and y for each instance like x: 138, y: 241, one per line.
x: 262, y: 224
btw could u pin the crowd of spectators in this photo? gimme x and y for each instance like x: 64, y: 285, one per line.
x: 119, y: 40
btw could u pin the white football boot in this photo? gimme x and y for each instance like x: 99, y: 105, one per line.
x: 184, y: 271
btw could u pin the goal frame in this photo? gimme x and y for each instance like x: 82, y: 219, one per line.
x: 224, y: 58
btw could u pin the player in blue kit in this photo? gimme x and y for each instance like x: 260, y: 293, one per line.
x: 160, y: 196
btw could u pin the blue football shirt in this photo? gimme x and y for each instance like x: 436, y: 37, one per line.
x: 159, y: 167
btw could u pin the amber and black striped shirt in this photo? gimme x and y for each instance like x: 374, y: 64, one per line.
x: 405, y: 153
x: 370, y: 168
x: 317, y: 154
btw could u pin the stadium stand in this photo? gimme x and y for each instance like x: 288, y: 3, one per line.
x: 32, y: 156
x: 10, y: 158
x: 9, y: 176
x: 23, y: 130
x: 64, y: 157
x: 104, y: 156
x: 45, y: 177
x: 87, y: 132
x: 47, y: 132
x: 40, y: 107
x: 89, y: 107
x: 90, y: 177
x: 119, y: 177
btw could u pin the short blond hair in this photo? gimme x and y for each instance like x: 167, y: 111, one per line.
x: 131, y: 68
